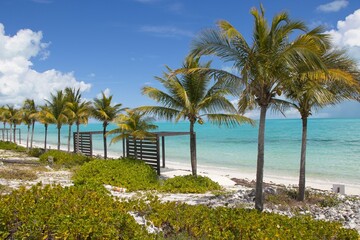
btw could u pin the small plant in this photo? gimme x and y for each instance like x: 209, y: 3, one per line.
x: 63, y: 159
x: 329, y: 201
x: 36, y: 152
x: 189, y: 184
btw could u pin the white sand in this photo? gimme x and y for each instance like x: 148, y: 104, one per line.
x: 223, y: 175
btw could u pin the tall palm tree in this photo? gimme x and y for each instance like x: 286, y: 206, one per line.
x: 261, y: 65
x: 79, y: 112
x: 30, y: 107
x: 104, y: 111
x: 56, y: 111
x: 72, y: 97
x: 191, y: 96
x: 135, y: 124
x: 45, y: 117
x: 310, y: 90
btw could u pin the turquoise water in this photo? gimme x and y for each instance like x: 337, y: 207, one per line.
x: 333, y: 150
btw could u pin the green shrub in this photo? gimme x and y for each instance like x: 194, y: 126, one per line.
x: 36, y: 152
x: 11, y: 146
x: 202, y: 222
x: 64, y: 159
x: 65, y: 213
x: 128, y: 173
x: 189, y: 184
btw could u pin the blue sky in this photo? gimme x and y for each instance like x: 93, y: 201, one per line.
x: 118, y: 46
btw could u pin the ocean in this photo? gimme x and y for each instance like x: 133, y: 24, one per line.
x: 333, y: 148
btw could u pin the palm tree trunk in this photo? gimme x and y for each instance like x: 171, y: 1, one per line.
x: 105, y: 145
x: 301, y: 195
x: 45, y: 142
x: 77, y: 137
x: 27, y: 138
x: 3, y: 132
x: 259, y: 201
x: 58, y: 145
x: 14, y: 133
x: 69, y: 137
x: 193, y: 149
x: 32, y: 134
x: 10, y: 132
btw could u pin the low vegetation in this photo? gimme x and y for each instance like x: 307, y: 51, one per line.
x: 81, y: 213
x: 88, y: 211
x: 65, y: 213
x: 63, y: 159
x: 287, y: 198
x: 5, y: 145
x: 189, y: 184
x: 126, y: 173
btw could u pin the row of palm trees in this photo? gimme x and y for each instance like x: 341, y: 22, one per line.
x: 64, y: 107
x: 285, y: 65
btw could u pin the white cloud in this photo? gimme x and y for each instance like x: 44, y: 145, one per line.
x: 107, y: 93
x: 347, y: 34
x: 18, y: 80
x: 333, y: 6
x: 166, y: 31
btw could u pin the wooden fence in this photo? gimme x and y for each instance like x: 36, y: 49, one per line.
x: 85, y: 142
x: 147, y: 150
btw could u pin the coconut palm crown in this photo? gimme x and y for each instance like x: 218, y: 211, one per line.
x: 133, y: 123
x: 192, y: 97
x: 262, y: 65
x: 56, y: 112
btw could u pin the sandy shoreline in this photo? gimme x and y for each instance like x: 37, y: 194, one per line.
x: 223, y: 175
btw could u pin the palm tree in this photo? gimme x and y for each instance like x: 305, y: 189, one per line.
x: 79, y: 112
x: 262, y: 65
x: 134, y: 124
x: 192, y: 97
x: 103, y: 110
x: 56, y: 111
x: 72, y: 97
x: 310, y: 90
x: 45, y: 117
x: 31, y: 109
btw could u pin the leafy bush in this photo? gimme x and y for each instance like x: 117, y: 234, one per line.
x: 64, y: 159
x: 202, y: 222
x: 189, y: 184
x: 36, y: 152
x: 11, y: 146
x: 65, y: 213
x: 128, y: 173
